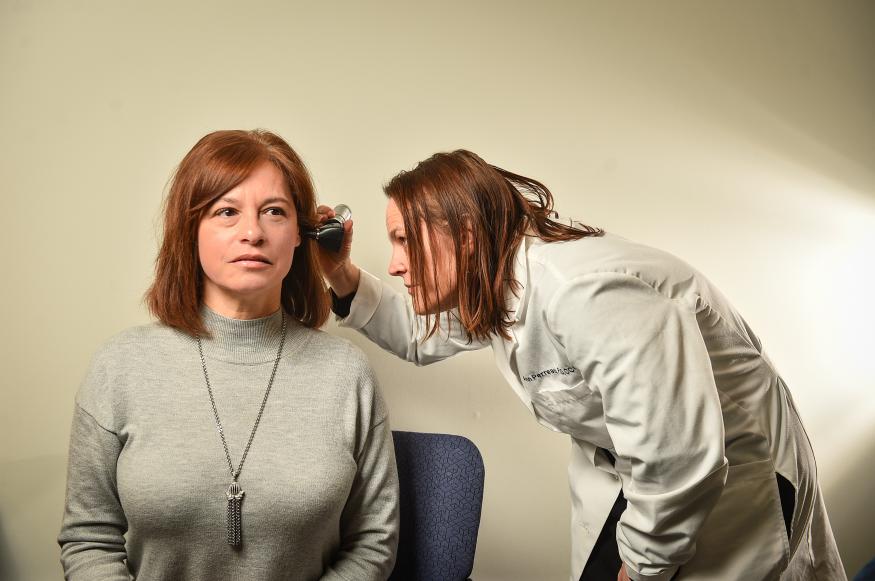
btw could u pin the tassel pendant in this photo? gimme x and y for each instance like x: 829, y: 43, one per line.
x: 235, y: 528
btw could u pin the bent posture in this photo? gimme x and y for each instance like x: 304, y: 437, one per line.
x: 689, y: 458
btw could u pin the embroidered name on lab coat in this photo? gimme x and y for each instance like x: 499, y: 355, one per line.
x: 551, y: 371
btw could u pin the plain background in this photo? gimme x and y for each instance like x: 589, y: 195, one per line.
x: 737, y: 135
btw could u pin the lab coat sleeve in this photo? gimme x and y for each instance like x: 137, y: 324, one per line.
x: 644, y: 353
x: 387, y: 318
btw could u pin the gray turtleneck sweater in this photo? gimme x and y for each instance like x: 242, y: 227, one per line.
x: 147, y: 479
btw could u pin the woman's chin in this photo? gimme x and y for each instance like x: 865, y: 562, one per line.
x: 250, y: 290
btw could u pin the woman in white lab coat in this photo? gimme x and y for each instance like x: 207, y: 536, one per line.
x: 689, y: 458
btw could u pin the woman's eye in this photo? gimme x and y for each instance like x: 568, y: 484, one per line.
x: 276, y: 211
x: 225, y: 212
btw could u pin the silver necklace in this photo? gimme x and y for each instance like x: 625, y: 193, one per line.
x: 234, y: 492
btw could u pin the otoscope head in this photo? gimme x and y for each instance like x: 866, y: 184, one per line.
x: 342, y: 212
x: 330, y: 234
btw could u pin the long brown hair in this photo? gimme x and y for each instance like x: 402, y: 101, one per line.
x: 483, y: 207
x: 218, y: 163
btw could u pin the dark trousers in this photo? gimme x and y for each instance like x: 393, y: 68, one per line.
x: 604, y: 562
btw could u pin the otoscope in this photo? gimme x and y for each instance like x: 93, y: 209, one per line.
x: 330, y: 234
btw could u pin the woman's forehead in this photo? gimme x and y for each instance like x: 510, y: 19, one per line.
x: 394, y: 219
x: 266, y: 183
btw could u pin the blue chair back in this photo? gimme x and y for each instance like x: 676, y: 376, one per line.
x: 441, y: 482
x: 867, y: 573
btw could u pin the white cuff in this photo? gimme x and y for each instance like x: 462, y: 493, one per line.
x: 664, y: 575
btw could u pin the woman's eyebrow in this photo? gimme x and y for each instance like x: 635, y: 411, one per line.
x: 275, y: 200
x: 271, y: 200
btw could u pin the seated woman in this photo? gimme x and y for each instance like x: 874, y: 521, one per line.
x: 232, y: 439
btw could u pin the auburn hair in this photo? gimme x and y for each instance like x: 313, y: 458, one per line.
x: 481, y: 207
x: 217, y: 163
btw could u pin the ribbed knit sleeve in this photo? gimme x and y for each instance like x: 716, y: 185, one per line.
x: 370, y: 520
x: 92, y: 534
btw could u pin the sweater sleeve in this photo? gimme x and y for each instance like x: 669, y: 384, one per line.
x: 645, y: 355
x: 92, y: 533
x: 370, y: 519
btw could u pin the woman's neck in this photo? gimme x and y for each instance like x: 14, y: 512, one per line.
x: 246, y: 341
x: 241, y: 307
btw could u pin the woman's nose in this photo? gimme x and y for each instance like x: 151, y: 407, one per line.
x: 397, y: 263
x: 251, y: 230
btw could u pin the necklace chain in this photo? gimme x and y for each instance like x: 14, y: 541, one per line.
x: 236, y: 473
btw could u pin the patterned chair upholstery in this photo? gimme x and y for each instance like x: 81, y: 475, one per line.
x: 441, y: 480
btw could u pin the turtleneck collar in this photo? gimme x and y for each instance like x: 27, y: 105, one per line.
x: 248, y: 341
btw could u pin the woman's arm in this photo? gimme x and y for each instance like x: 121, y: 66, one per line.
x: 387, y: 318
x: 384, y: 316
x: 370, y: 520
x: 644, y: 353
x: 92, y: 533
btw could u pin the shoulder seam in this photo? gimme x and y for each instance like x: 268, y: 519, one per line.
x: 95, y: 420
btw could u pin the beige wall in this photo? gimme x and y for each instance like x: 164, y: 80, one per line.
x: 740, y: 136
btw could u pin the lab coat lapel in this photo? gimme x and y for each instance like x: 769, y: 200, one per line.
x: 515, y: 303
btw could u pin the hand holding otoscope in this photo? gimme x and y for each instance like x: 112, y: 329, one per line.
x: 334, y: 238
x: 331, y: 232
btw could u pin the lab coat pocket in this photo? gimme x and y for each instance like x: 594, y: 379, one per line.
x: 567, y: 409
x: 745, y: 536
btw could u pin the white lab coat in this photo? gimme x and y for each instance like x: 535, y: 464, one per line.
x: 628, y: 349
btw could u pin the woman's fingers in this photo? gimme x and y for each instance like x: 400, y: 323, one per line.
x: 325, y: 213
x: 333, y: 263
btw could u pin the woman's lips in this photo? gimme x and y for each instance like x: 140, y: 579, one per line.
x: 254, y: 264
